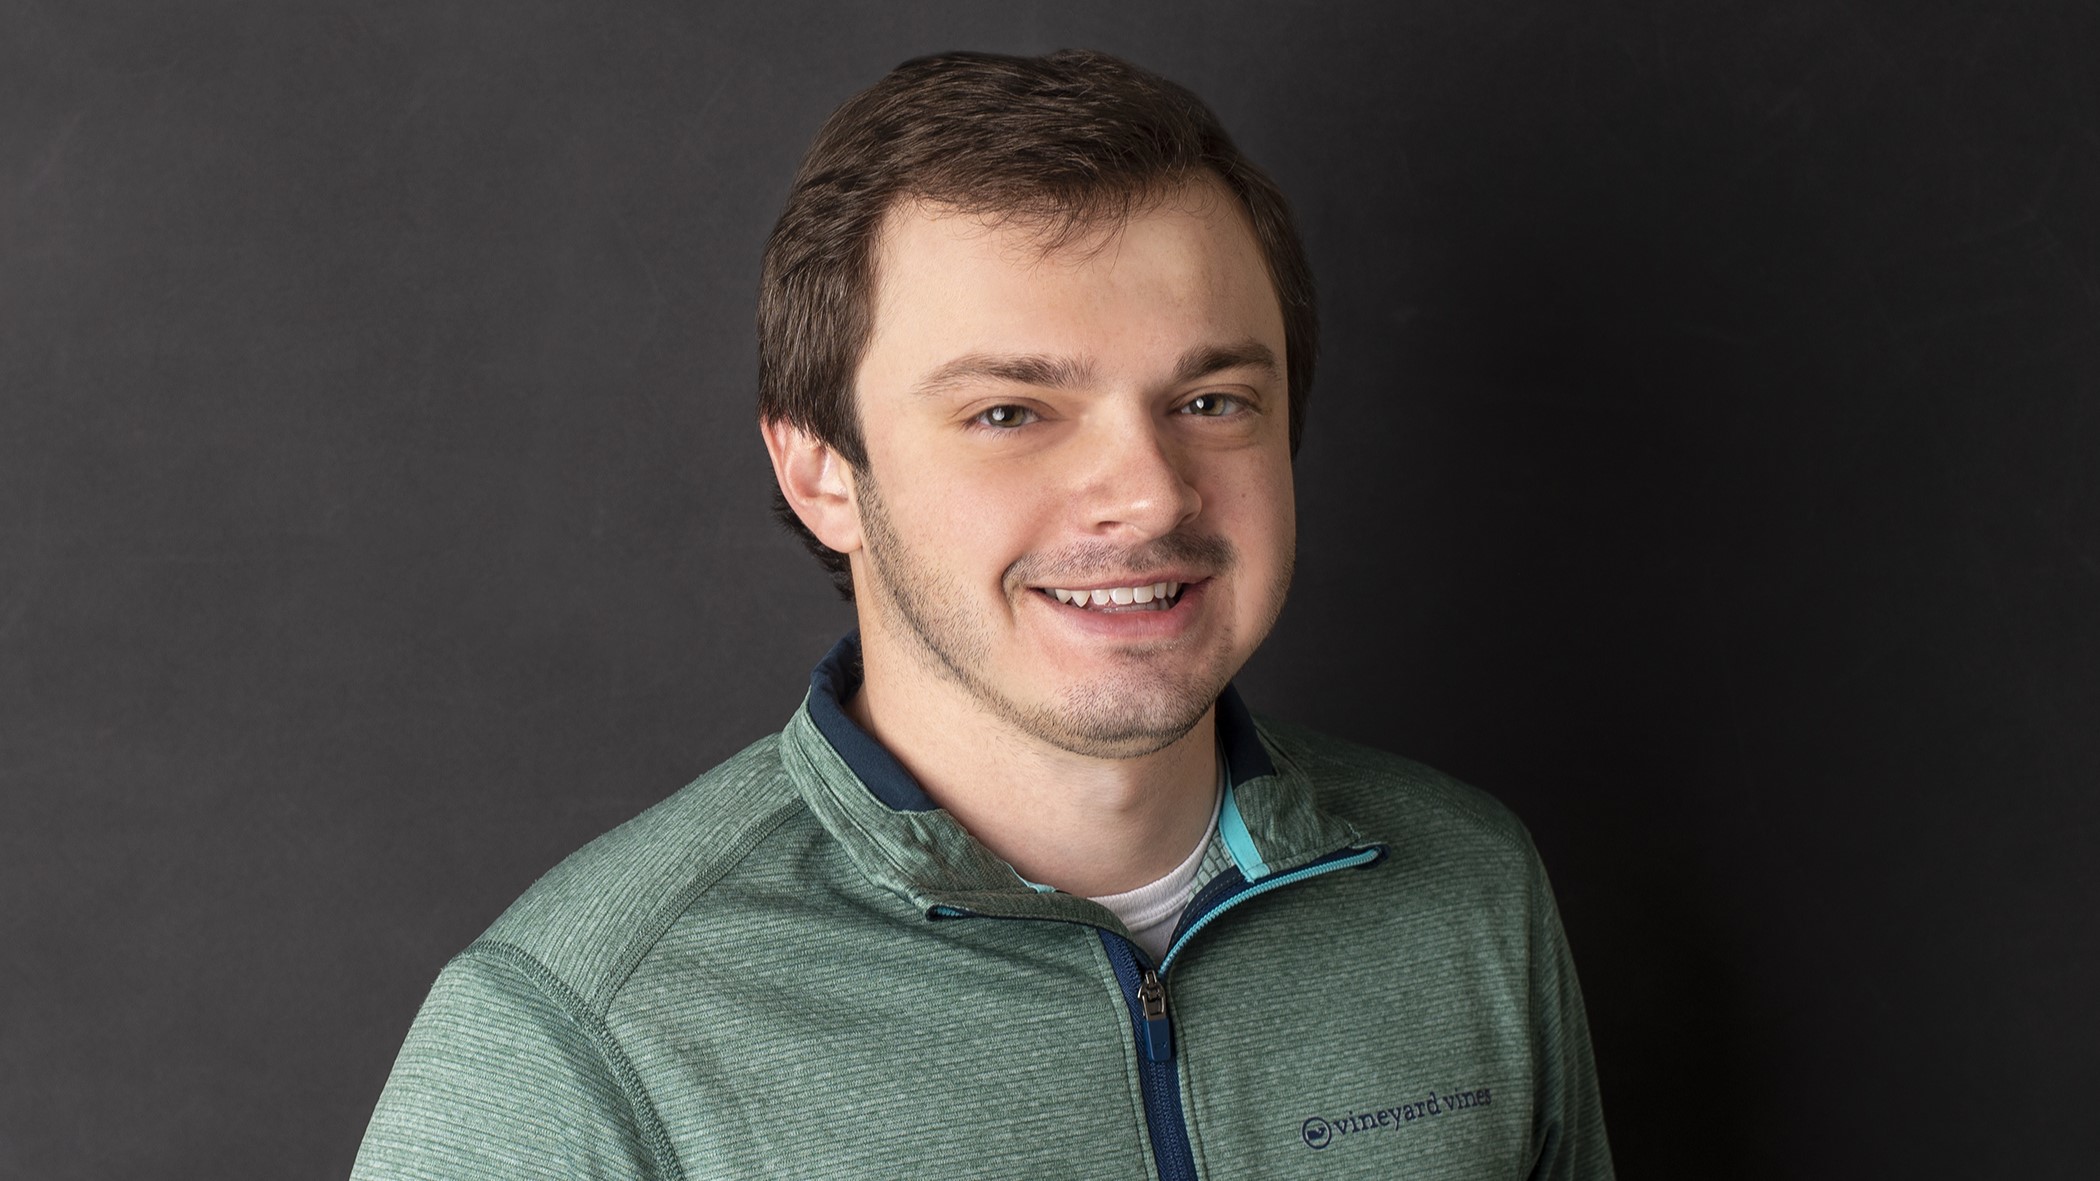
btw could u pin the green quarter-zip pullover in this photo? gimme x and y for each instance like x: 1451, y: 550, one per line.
x: 797, y: 966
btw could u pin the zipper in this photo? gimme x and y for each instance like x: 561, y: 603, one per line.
x: 1152, y: 1021
x: 1159, y: 1031
x: 1345, y: 859
x: 1152, y: 1024
x: 1159, y: 1074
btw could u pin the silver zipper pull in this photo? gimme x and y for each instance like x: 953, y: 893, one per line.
x: 1159, y: 1031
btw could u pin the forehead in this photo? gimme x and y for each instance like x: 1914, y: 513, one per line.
x: 1181, y: 267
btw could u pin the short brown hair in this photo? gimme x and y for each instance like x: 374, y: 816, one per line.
x: 1070, y: 141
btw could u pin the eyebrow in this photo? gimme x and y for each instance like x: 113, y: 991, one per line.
x: 1034, y: 369
x: 1053, y: 372
x: 1245, y: 354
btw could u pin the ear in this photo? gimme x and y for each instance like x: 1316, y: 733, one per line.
x: 817, y: 482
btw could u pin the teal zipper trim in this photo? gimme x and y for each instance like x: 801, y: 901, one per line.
x: 1238, y: 841
x: 1360, y: 857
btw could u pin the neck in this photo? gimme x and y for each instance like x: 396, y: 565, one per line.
x: 1085, y: 825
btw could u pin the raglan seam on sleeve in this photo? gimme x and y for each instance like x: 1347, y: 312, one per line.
x: 720, y: 867
x: 601, y: 1036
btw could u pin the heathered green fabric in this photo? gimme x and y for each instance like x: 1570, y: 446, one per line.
x: 745, y: 982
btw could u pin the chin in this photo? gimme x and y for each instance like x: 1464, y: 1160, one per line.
x: 1141, y: 714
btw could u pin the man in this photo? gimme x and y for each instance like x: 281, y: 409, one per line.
x: 1022, y: 889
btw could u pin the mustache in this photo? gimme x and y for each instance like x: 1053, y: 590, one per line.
x: 1199, y: 554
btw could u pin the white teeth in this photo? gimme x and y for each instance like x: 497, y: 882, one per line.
x: 1120, y: 596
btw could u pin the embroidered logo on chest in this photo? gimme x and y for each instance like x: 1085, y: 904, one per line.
x: 1319, y: 1131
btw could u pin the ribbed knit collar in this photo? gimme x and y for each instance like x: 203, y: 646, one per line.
x: 902, y: 840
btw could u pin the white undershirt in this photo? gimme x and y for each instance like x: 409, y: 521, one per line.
x: 1149, y: 911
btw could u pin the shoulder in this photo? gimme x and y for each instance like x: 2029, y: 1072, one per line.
x: 584, y: 925
x: 1420, y: 813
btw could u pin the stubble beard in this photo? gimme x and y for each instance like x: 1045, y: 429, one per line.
x: 1143, y: 706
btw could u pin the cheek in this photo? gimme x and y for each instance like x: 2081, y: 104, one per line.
x: 1262, y: 513
x: 1280, y: 534
x: 1270, y: 558
x: 968, y: 518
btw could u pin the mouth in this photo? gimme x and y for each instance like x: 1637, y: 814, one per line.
x: 1143, y: 596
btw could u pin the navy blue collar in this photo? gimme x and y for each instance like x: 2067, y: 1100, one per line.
x: 838, y: 676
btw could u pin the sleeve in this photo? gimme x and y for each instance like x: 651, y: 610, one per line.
x: 1568, y: 1141
x: 503, y: 1075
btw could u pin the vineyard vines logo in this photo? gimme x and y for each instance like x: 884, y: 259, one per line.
x: 1319, y: 1132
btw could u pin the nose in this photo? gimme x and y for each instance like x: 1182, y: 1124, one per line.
x: 1139, y: 484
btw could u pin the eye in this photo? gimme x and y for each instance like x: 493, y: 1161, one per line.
x: 1211, y: 405
x: 1005, y: 417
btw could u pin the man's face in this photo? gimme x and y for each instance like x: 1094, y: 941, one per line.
x: 1101, y: 418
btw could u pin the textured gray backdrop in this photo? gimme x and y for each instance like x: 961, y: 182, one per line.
x: 1703, y: 461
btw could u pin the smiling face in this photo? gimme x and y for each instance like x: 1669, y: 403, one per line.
x: 1105, y: 423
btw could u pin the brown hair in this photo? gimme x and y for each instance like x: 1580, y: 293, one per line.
x: 1069, y: 141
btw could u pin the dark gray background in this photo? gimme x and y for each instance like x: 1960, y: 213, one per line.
x: 1702, y: 461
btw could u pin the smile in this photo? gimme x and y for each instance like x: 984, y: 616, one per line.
x: 1157, y: 596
